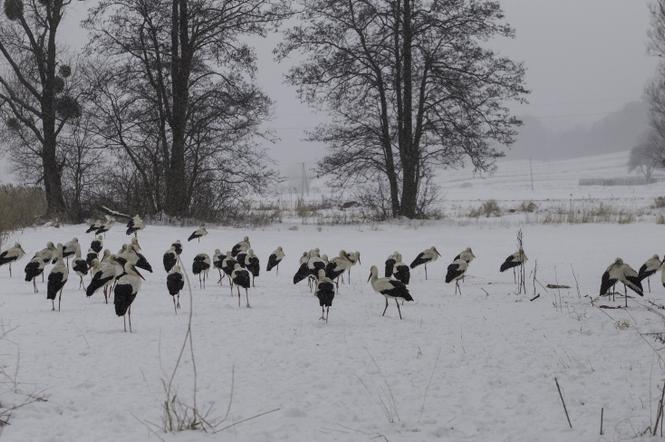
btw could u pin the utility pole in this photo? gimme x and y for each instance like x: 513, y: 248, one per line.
x: 531, y: 173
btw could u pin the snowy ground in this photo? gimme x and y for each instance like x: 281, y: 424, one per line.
x: 476, y: 367
x: 556, y: 191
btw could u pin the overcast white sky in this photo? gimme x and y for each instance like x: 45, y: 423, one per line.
x: 584, y: 58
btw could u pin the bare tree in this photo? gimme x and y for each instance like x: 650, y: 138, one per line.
x: 648, y: 156
x: 409, y: 84
x: 171, y: 55
x: 33, y: 85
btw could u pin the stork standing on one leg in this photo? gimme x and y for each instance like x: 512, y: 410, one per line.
x: 650, y: 267
x: 10, y: 255
x: 252, y: 264
x: 274, y: 259
x: 240, y: 278
x: 56, y: 280
x: 125, y: 291
x: 425, y: 257
x: 325, y: 291
x: 456, y: 271
x: 389, y: 288
x: 354, y: 258
x: 200, y: 267
x: 174, y: 283
x: 619, y: 271
x: 33, y: 269
x: 198, y: 234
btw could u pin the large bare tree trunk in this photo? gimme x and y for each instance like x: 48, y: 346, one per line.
x: 408, y: 149
x: 177, y: 201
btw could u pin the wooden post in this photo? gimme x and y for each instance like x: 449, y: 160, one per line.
x: 564, y: 402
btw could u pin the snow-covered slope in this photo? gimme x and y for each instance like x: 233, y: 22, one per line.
x: 477, y: 367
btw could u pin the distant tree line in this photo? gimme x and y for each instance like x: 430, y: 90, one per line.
x: 162, y: 114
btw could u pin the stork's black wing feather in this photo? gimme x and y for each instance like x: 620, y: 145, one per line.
x: 174, y: 283
x: 419, y: 260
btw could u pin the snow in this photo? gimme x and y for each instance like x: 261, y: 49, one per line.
x: 475, y: 367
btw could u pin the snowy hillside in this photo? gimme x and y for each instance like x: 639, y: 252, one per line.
x: 475, y: 367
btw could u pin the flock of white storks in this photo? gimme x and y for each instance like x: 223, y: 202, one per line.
x: 119, y: 273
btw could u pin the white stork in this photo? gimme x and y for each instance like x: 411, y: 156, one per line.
x: 242, y: 246
x: 389, y: 288
x: 240, y: 278
x: 466, y: 254
x: 97, y: 244
x: 517, y: 259
x: 325, y: 291
x: 390, y: 264
x: 33, y: 269
x: 70, y: 248
x: 621, y: 272
x: 228, y: 265
x: 427, y: 256
x: 134, y: 225
x: 126, y: 289
x: 47, y: 254
x: 401, y: 271
x: 94, y: 226
x: 56, y: 280
x: 252, y: 264
x: 456, y: 271
x: 10, y: 255
x: 106, y: 225
x: 170, y: 259
x: 274, y: 259
x: 90, y: 256
x: 80, y: 266
x: 174, y: 283
x: 178, y: 247
x: 197, y: 234
x: 200, y: 267
x: 217, y: 260
x: 103, y: 275
x: 651, y: 266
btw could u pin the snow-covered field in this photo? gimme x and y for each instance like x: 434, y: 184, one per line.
x: 477, y: 367
x: 556, y: 191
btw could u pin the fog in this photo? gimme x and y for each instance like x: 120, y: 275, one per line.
x: 585, y: 59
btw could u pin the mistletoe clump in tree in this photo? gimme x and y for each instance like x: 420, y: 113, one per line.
x: 34, y: 97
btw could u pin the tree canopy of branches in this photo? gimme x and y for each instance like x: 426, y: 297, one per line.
x: 648, y: 156
x: 176, y: 94
x: 34, y: 101
x: 409, y: 85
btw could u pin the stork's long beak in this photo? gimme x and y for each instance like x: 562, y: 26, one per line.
x: 138, y: 273
x: 369, y: 277
x: 436, y: 251
x: 359, y: 262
